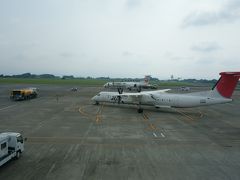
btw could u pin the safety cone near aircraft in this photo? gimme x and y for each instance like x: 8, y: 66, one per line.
x: 220, y: 93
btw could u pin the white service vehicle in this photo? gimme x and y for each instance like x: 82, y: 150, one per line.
x: 11, y: 146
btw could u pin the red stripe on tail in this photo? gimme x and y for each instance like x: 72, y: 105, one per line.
x: 227, y: 83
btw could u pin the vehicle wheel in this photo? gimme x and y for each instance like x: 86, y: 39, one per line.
x: 97, y: 103
x: 140, y: 110
x: 18, y: 155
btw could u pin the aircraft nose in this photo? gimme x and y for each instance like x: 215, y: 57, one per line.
x: 93, y: 98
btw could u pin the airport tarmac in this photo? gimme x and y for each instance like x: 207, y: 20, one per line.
x: 70, y: 138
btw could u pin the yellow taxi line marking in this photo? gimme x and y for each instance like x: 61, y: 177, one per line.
x: 145, y: 117
x: 51, y: 169
x: 98, y: 115
x: 98, y: 119
x: 82, y: 112
x: 152, y: 126
x: 187, y: 116
x: 201, y: 114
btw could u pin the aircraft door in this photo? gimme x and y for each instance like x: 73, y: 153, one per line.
x: 175, y: 101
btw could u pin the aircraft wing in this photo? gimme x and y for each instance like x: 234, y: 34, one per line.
x: 156, y: 91
x: 140, y: 94
x: 137, y: 97
x: 133, y: 97
x: 158, y: 106
x: 163, y: 90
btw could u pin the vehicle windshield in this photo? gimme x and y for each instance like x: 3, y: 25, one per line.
x: 16, y: 92
x: 20, y: 139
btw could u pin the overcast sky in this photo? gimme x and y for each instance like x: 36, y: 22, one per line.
x: 120, y: 38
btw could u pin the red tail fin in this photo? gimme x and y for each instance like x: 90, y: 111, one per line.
x: 227, y: 83
x: 146, y: 79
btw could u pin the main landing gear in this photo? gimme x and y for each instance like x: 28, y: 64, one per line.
x: 120, y: 90
x: 119, y: 98
x: 140, y: 110
x: 139, y: 89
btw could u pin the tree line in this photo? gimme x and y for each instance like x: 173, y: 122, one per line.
x: 51, y: 76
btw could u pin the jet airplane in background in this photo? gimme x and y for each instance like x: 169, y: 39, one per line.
x: 220, y: 93
x: 137, y: 86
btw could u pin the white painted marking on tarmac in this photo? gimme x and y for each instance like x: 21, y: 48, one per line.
x: 68, y: 153
x: 154, y: 134
x: 162, y: 135
x: 51, y: 169
x: 7, y: 107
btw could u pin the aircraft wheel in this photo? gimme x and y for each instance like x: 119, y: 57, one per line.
x: 139, y: 89
x: 140, y: 110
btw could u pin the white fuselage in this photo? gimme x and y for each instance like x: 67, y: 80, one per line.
x: 160, y: 99
x: 124, y: 84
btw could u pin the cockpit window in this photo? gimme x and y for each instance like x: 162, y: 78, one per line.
x: 98, y: 94
x: 152, y: 97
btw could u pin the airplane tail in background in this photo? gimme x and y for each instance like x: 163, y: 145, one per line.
x: 227, y: 83
x: 146, y: 79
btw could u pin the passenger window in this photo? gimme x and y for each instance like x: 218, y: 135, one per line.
x: 4, y: 145
x: 202, y: 100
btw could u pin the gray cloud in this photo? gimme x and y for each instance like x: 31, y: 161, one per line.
x: 127, y: 53
x: 206, y: 60
x: 228, y: 13
x: 66, y: 54
x: 172, y: 57
x: 206, y: 47
x: 182, y: 58
x: 78, y: 37
x: 133, y: 3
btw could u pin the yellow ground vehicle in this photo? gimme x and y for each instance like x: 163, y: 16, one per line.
x: 22, y: 94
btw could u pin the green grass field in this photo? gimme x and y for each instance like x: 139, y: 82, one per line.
x: 173, y: 83
x: 82, y: 82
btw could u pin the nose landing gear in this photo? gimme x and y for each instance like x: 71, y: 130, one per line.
x: 140, y: 110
